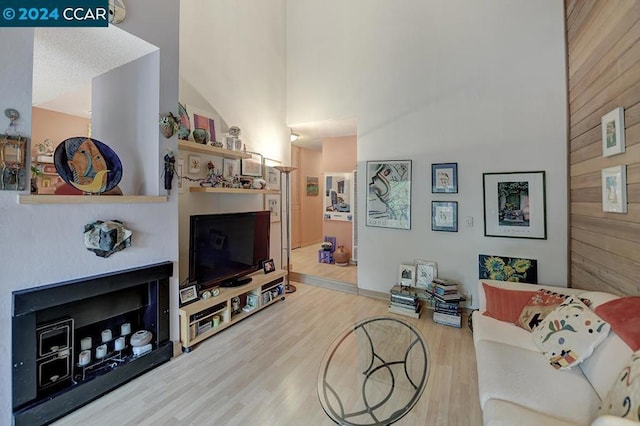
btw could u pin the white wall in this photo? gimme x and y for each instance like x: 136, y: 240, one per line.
x: 42, y: 244
x: 477, y: 83
x: 232, y: 65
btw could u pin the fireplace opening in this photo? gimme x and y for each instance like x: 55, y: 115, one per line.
x: 75, y: 341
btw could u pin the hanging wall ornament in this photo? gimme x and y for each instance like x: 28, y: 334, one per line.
x: 169, y: 170
x: 13, y: 149
x: 184, y: 125
x: 168, y: 124
x: 106, y: 237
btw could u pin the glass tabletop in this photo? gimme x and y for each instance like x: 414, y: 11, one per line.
x: 373, y: 373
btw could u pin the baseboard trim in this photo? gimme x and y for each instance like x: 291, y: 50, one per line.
x: 323, y: 282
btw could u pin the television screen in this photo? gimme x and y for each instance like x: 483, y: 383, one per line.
x: 225, y: 247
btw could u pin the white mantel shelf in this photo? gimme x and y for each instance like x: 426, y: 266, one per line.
x: 232, y: 190
x: 211, y: 150
x: 90, y: 199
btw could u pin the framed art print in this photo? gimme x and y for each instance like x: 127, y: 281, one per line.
x: 194, y: 164
x: 271, y: 174
x: 389, y: 194
x: 613, y: 132
x: 251, y: 166
x: 407, y: 275
x: 614, y: 189
x: 426, y: 271
x: 444, y: 178
x: 515, y: 205
x: 444, y: 216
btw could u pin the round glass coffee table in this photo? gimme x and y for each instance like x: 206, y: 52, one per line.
x: 373, y: 373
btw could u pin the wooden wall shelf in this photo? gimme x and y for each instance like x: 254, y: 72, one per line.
x: 232, y: 190
x: 210, y: 150
x: 90, y: 199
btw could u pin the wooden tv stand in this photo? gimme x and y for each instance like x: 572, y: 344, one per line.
x: 196, y: 319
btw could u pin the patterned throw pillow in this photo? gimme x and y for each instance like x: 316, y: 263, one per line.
x: 569, y: 334
x: 623, y: 400
x: 540, y: 305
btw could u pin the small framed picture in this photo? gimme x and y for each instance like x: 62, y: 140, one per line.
x: 614, y: 189
x: 407, y: 275
x: 426, y: 271
x: 271, y: 174
x: 444, y: 178
x: 230, y: 167
x: 188, y: 294
x: 444, y: 216
x: 613, y: 132
x: 268, y: 266
x: 194, y: 164
x: 179, y: 172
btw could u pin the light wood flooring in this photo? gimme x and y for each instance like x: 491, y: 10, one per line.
x: 263, y: 371
x: 304, y: 260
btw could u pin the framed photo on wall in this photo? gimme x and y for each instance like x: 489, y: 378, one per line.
x: 515, y: 205
x: 444, y: 216
x: 444, y: 178
x: 337, y: 196
x: 389, y: 194
x: 613, y: 132
x: 271, y: 174
x: 614, y: 189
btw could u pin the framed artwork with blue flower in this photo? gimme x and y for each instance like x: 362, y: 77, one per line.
x: 513, y: 269
x: 444, y: 178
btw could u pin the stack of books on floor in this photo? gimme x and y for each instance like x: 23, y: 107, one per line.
x: 447, y: 303
x: 405, y: 301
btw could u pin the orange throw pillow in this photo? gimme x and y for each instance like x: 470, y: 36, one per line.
x: 505, y: 305
x: 624, y: 317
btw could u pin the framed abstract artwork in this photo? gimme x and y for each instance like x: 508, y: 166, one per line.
x: 426, y: 271
x: 389, y: 194
x: 515, y: 205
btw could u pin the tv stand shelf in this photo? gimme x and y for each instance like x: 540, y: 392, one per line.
x: 196, y: 319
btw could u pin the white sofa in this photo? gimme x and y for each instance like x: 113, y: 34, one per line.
x: 518, y: 386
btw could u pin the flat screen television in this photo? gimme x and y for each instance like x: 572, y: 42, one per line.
x: 224, y: 248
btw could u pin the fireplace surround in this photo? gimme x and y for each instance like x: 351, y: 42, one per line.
x: 72, y: 341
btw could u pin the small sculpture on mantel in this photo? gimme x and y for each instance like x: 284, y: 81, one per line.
x: 106, y: 237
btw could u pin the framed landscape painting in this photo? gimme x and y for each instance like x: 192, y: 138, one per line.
x: 389, y: 194
x: 515, y: 205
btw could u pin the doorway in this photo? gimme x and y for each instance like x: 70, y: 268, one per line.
x: 322, y: 155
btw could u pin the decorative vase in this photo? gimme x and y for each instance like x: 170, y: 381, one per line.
x: 341, y: 256
x: 201, y: 136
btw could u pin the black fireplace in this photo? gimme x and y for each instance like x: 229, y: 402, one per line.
x: 77, y: 340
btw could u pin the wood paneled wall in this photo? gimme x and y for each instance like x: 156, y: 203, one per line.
x: 603, y: 46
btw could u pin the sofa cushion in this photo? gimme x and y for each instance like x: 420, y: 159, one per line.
x: 624, y: 398
x: 570, y: 333
x: 623, y: 315
x: 497, y: 412
x: 487, y: 328
x: 538, y: 307
x: 504, y: 304
x: 525, y: 378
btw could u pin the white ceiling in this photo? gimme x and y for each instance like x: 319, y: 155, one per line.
x: 66, y: 59
x: 311, y: 134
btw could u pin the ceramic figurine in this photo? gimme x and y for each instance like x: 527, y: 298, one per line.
x: 168, y: 125
x: 201, y: 136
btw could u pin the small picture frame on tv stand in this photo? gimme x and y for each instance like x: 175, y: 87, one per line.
x: 188, y: 294
x: 268, y: 266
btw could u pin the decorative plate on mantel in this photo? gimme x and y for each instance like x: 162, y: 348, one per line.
x: 88, y: 165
